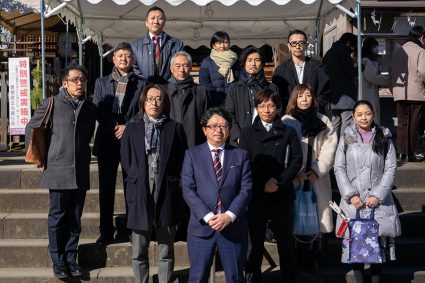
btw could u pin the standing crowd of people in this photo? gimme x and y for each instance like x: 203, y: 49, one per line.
x: 233, y: 149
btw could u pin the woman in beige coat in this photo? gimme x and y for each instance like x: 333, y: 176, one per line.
x: 302, y: 115
x: 372, y: 78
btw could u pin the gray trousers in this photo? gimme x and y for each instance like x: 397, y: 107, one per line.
x: 140, y: 257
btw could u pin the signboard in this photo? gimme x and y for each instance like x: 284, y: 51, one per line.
x: 19, y: 95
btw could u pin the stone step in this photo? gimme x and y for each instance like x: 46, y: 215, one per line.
x: 34, y: 225
x: 34, y: 253
x: 399, y: 274
x: 28, y: 177
x: 25, y: 176
x: 37, y: 201
x: 410, y: 199
x: 413, y: 223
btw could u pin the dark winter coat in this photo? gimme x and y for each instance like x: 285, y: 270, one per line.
x: 216, y: 84
x: 144, y: 63
x: 134, y: 161
x: 194, y: 101
x: 68, y: 139
x: 104, y: 95
x: 286, y: 78
x: 339, y: 67
x: 240, y: 103
x: 267, y: 152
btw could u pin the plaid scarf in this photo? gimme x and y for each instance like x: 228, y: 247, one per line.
x: 153, y: 138
x: 120, y: 89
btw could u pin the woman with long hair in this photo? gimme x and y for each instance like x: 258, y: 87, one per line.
x: 316, y: 134
x: 365, y: 167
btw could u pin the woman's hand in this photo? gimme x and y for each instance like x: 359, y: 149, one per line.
x: 302, y: 176
x: 312, y: 176
x: 356, y: 201
x: 371, y: 201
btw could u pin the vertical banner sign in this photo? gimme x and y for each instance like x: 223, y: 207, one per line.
x: 19, y: 95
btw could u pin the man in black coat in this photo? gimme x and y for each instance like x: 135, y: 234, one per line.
x: 301, y: 69
x: 339, y: 67
x: 116, y: 97
x: 188, y: 100
x: 276, y: 158
x: 240, y: 95
x: 153, y: 51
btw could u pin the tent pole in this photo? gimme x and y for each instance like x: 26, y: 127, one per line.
x: 43, y: 52
x: 80, y: 42
x: 100, y: 48
x: 359, y: 49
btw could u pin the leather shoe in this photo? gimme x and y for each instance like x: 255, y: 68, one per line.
x: 60, y: 270
x: 105, y: 239
x: 75, y: 269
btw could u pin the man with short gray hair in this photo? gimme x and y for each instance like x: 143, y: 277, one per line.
x: 188, y: 101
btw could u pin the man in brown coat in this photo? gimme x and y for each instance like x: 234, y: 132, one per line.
x: 408, y: 87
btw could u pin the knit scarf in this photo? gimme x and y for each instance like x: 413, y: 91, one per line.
x: 74, y: 103
x: 311, y: 124
x: 120, y: 89
x: 257, y: 81
x: 224, y: 61
x: 175, y: 86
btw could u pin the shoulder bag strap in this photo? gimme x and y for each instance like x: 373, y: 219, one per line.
x: 48, y: 114
x: 308, y: 164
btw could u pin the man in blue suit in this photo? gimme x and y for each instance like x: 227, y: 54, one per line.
x: 216, y: 179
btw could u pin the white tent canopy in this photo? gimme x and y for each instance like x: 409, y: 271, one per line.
x: 255, y: 22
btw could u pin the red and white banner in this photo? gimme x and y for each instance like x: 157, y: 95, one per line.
x: 19, y: 95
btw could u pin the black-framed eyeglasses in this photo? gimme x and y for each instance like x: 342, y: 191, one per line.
x: 300, y: 43
x: 77, y: 80
x: 215, y: 127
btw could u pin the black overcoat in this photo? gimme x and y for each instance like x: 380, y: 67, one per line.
x: 104, y: 95
x: 267, y: 151
x: 134, y: 161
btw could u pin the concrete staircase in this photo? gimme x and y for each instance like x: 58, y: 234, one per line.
x: 24, y: 255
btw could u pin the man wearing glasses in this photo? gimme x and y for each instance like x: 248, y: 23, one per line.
x: 188, y: 100
x: 116, y: 96
x: 300, y: 69
x: 216, y: 180
x: 66, y: 172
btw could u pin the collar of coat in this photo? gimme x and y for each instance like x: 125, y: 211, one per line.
x: 278, y: 129
x: 148, y: 40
